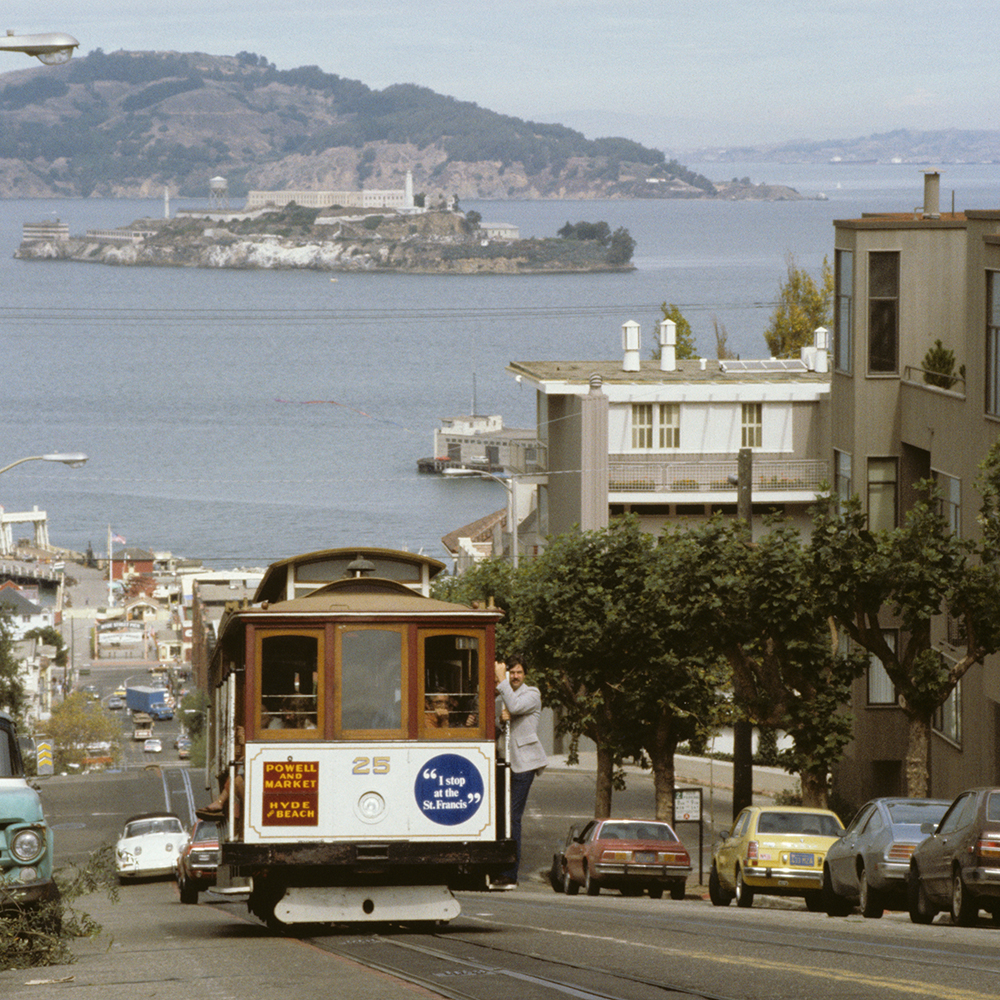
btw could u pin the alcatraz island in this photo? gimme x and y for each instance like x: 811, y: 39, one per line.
x: 368, y: 230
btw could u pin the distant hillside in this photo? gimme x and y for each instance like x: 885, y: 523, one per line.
x: 901, y: 145
x: 126, y: 124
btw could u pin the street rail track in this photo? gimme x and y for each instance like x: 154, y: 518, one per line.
x: 442, y: 971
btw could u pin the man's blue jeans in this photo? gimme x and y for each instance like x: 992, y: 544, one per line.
x: 520, y: 785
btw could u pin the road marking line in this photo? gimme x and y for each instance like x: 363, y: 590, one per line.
x: 909, y: 988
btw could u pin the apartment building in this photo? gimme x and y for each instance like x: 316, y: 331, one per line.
x: 903, y: 283
x: 660, y: 438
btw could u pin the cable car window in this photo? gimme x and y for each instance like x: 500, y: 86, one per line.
x: 289, y: 681
x: 371, y: 679
x: 451, y: 682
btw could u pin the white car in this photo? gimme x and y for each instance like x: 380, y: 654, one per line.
x: 152, y: 746
x: 149, y: 845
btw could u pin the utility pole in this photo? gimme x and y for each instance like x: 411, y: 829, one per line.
x: 743, y: 728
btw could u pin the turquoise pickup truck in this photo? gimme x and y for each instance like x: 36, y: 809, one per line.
x: 25, y: 837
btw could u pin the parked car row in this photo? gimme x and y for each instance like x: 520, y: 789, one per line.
x: 920, y: 855
x: 154, y: 844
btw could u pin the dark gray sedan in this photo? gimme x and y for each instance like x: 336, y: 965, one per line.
x: 957, y: 867
x: 868, y: 866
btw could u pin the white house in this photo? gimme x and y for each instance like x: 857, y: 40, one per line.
x: 660, y: 438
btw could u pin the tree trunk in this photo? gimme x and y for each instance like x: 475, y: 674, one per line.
x: 918, y: 755
x: 662, y: 757
x: 814, y: 789
x: 603, y: 785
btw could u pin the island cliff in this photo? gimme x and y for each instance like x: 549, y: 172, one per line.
x: 435, y: 242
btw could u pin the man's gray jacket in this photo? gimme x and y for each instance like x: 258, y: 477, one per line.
x: 525, y: 708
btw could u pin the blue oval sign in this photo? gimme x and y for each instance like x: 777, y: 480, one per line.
x: 449, y: 789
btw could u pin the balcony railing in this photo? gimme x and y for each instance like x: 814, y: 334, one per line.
x: 631, y: 475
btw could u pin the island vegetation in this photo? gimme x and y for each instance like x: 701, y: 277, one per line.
x: 128, y: 124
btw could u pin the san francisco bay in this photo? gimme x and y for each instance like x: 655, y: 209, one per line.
x: 243, y: 416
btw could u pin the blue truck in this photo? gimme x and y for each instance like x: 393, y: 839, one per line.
x: 25, y: 837
x: 151, y: 700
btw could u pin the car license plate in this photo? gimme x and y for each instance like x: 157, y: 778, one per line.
x: 803, y: 860
x: 645, y: 857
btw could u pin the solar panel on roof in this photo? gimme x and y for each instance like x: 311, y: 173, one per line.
x: 764, y: 365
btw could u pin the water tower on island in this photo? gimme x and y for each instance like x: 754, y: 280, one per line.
x: 218, y: 193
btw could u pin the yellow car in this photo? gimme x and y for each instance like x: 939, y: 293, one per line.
x: 773, y: 851
x: 120, y: 692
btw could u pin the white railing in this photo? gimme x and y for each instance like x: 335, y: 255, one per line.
x: 630, y: 475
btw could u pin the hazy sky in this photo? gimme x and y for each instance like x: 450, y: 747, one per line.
x: 670, y: 74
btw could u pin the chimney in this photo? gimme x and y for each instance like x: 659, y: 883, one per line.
x: 668, y: 346
x: 630, y: 345
x: 932, y: 194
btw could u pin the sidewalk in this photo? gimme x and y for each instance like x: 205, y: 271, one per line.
x: 767, y: 781
x: 153, y: 946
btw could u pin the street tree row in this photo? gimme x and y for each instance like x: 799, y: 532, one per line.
x: 643, y: 643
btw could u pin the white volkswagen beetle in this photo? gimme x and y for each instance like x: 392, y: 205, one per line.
x: 149, y: 845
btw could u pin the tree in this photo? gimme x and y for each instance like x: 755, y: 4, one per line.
x: 472, y: 220
x: 902, y: 579
x: 582, y: 626
x: 622, y: 247
x: 79, y: 728
x: 685, y: 338
x: 803, y: 305
x: 722, y: 351
x: 51, y: 637
x: 939, y: 366
x: 755, y: 604
x: 12, y: 695
x: 492, y: 580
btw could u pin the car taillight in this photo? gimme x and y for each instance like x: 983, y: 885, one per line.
x: 988, y: 850
x: 899, y: 852
x: 752, y: 851
x: 619, y: 856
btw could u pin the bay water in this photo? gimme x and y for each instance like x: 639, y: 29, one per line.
x: 240, y: 417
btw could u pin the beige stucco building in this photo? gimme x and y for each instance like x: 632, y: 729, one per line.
x: 903, y: 282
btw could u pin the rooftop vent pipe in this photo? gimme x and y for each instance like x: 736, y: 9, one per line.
x: 630, y: 345
x: 668, y: 346
x: 932, y: 194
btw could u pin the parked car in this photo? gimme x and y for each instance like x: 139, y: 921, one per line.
x: 558, y: 869
x: 183, y: 748
x: 26, y: 852
x: 149, y: 845
x: 198, y: 861
x: 773, y: 851
x: 631, y: 855
x: 867, y: 867
x: 957, y: 867
x: 152, y: 746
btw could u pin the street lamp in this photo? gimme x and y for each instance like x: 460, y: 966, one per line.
x: 73, y: 459
x: 52, y: 48
x: 510, y: 487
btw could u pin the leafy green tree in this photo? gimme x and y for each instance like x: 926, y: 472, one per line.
x: 599, y: 231
x: 51, y: 637
x: 77, y: 725
x: 904, y: 578
x: 685, y: 337
x: 12, y: 694
x: 622, y: 247
x: 490, y: 581
x: 755, y: 604
x: 581, y: 622
x: 803, y: 305
x: 472, y: 220
x: 939, y: 366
